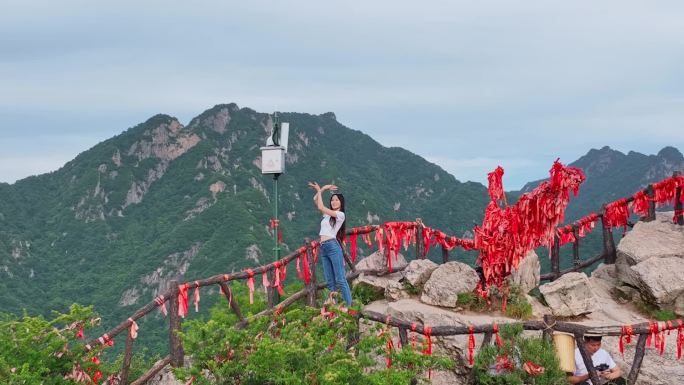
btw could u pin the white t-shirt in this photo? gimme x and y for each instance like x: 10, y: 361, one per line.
x: 328, y: 230
x: 600, y: 357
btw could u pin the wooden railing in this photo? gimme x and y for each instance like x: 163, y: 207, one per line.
x: 306, y: 254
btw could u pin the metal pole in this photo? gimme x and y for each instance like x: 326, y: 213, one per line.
x: 276, y: 247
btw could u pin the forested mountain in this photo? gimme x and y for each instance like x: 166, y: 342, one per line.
x: 163, y: 200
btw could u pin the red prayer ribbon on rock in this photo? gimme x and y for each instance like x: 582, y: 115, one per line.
x: 617, y: 213
x: 640, y: 203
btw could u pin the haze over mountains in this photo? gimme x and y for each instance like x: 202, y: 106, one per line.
x: 163, y: 201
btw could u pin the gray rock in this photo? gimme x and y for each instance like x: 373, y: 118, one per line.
x: 656, y: 239
x: 395, y: 291
x: 376, y: 283
x: 378, y: 262
x: 660, y: 279
x: 447, y: 281
x: 527, y: 275
x: 418, y: 272
x: 570, y: 295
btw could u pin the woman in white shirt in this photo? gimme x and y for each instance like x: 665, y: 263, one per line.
x: 332, y: 234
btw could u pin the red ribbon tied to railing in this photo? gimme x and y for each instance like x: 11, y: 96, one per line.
x: 626, y: 333
x: 471, y: 344
x: 353, y: 245
x: 196, y: 296
x: 680, y: 338
x: 133, y: 330
x: 250, y: 285
x: 161, y: 301
x: 640, y: 203
x: 183, y: 299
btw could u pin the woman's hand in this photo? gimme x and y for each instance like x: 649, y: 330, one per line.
x: 330, y: 187
x: 314, y: 186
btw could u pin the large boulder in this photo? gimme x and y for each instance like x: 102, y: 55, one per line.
x: 418, y: 272
x: 656, y: 239
x: 376, y: 284
x: 570, y: 295
x: 660, y: 280
x: 447, y: 281
x: 527, y: 275
x: 378, y: 262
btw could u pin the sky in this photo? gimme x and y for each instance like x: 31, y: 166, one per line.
x: 467, y: 85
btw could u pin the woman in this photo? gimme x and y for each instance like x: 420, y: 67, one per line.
x: 332, y: 233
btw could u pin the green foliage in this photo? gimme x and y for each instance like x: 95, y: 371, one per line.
x: 652, y: 311
x: 471, y: 301
x: 516, y: 303
x: 410, y: 288
x: 299, y: 346
x: 517, y: 350
x: 34, y: 350
x: 366, y: 294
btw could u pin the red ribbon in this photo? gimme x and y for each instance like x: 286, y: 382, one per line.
x: 196, y: 296
x: 427, y: 330
x: 617, y: 213
x: 367, y: 239
x: 626, y: 333
x: 314, y: 251
x: 161, y: 301
x: 250, y: 285
x: 275, y: 224
x: 105, y: 340
x: 680, y: 339
x: 353, y: 245
x: 677, y: 214
x: 640, y: 203
x: 278, y: 284
x: 80, y: 333
x: 495, y: 330
x: 471, y: 344
x: 133, y: 330
x: 183, y: 299
x: 496, y: 192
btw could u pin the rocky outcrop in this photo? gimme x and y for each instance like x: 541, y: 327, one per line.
x: 395, y: 290
x: 656, y: 239
x: 527, y: 275
x: 419, y: 271
x: 650, y: 258
x: 377, y: 284
x: 570, y: 295
x: 378, y: 262
x: 447, y: 281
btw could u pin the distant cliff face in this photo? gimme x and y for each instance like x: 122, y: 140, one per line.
x: 612, y: 175
x: 165, y: 201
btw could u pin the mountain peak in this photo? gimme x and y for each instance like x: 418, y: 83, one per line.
x: 671, y: 155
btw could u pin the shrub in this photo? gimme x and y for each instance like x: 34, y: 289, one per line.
x: 504, y: 365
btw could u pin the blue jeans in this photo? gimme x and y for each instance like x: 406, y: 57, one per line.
x: 330, y: 255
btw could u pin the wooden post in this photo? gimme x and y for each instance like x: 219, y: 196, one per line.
x: 638, y: 359
x: 651, y: 204
x: 311, y: 286
x: 419, y: 239
x: 403, y: 336
x: 227, y: 292
x: 575, y: 246
x: 347, y: 258
x: 175, y: 344
x: 445, y: 255
x: 609, y: 253
x: 549, y: 322
x: 555, y: 258
x: 128, y: 355
x: 270, y: 290
x: 486, y: 340
x: 679, y: 214
x: 588, y: 363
